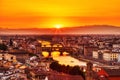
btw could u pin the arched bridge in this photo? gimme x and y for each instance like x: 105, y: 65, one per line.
x: 60, y: 49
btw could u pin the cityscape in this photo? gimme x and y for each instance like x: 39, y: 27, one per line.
x: 59, y: 40
x: 59, y: 57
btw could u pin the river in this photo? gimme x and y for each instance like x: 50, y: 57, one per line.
x: 68, y: 60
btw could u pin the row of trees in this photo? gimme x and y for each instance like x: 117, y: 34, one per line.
x: 67, y: 69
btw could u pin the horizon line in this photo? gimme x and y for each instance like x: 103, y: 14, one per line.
x: 64, y: 27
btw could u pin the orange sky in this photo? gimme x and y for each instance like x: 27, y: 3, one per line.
x: 48, y: 13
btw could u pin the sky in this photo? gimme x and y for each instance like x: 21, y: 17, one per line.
x: 50, y: 13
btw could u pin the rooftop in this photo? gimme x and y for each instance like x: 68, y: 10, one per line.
x: 113, y: 72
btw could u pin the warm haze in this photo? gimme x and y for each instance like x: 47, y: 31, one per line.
x: 49, y: 13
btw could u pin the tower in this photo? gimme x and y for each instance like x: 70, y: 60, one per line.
x: 89, y: 71
x: 11, y: 42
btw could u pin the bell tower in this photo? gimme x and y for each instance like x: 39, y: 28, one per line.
x: 89, y: 71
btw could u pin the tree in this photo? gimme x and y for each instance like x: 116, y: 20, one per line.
x: 75, y: 70
x: 67, y: 69
x: 3, y: 47
x: 54, y: 65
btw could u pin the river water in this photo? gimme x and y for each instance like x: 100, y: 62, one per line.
x: 68, y: 60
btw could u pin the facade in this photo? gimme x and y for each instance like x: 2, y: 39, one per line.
x: 88, y: 50
x: 110, y: 56
x: 106, y: 55
x: 95, y: 54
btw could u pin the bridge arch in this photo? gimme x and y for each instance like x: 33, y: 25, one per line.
x: 45, y: 53
x: 54, y: 53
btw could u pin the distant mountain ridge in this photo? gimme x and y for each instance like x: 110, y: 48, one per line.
x: 90, y: 29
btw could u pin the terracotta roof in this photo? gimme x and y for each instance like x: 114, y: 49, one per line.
x: 2, y: 69
x: 18, y: 52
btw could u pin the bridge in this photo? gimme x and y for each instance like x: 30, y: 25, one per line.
x: 54, y: 47
x: 60, y: 49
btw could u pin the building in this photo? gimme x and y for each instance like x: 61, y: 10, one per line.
x: 106, y: 55
x: 8, y: 57
x: 21, y: 55
x: 109, y: 74
x: 116, y: 46
x: 89, y: 71
x: 95, y: 54
x: 110, y: 56
x: 88, y: 50
x: 38, y: 48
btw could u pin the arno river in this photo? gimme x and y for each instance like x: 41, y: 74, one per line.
x: 68, y: 60
x: 65, y: 60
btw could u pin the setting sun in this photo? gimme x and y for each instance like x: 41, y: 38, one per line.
x: 58, y: 26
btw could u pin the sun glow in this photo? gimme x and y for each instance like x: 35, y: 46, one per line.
x: 58, y: 26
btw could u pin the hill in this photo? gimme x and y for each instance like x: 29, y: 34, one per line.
x: 90, y: 29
